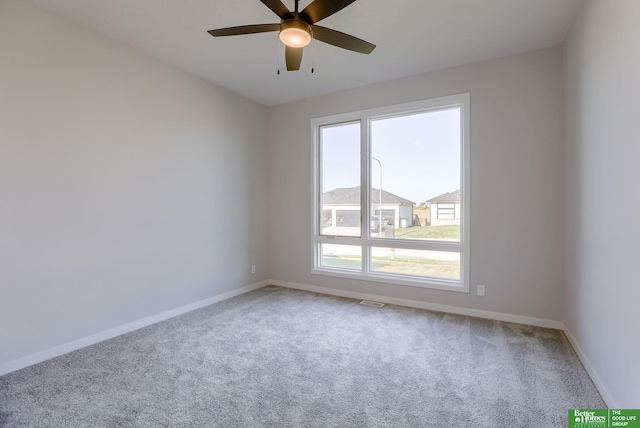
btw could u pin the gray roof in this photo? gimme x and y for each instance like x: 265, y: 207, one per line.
x: 446, y: 197
x: 351, y: 195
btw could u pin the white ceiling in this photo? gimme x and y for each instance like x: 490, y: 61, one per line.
x: 412, y: 37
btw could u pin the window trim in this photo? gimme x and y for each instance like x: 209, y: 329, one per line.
x: 364, y: 118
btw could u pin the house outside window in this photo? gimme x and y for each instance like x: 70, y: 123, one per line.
x: 445, y: 209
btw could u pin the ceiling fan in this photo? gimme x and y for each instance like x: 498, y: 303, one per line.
x: 298, y: 28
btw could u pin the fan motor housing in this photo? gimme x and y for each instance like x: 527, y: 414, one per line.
x: 295, y: 23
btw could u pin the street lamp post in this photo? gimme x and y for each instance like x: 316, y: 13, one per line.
x: 379, y: 198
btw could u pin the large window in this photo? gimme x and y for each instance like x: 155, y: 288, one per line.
x: 391, y: 194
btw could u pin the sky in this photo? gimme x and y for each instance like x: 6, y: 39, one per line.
x: 419, y: 153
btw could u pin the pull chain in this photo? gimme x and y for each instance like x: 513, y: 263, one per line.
x: 278, y: 54
x: 313, y: 50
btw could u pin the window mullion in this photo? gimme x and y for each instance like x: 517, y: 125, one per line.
x: 365, y: 167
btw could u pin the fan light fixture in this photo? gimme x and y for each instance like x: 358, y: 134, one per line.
x: 297, y: 29
x: 295, y: 34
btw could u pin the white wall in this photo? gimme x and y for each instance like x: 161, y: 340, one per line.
x: 516, y: 158
x: 406, y: 212
x: 127, y: 187
x: 602, y: 295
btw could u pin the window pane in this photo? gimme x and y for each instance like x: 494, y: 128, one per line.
x: 340, y: 180
x: 415, y: 176
x: 435, y: 264
x: 341, y: 256
x: 393, y: 177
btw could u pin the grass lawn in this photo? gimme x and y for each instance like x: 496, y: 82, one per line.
x: 447, y: 233
x: 421, y: 267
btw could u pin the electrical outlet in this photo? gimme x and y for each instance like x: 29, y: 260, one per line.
x: 253, y: 269
x: 480, y: 290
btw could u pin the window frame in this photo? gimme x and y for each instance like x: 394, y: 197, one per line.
x: 365, y: 241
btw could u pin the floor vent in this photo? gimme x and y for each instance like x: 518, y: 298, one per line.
x: 371, y: 303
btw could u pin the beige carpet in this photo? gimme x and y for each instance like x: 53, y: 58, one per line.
x: 277, y: 357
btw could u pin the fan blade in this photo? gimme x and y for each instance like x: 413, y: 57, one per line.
x: 293, y: 57
x: 244, y: 29
x: 277, y: 7
x: 320, y: 9
x: 341, y: 40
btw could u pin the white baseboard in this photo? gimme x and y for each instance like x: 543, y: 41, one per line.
x: 602, y: 389
x: 56, y: 351
x: 499, y: 316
